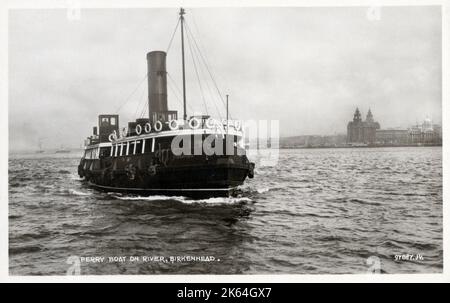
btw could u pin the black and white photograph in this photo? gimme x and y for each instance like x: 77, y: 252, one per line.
x: 220, y: 140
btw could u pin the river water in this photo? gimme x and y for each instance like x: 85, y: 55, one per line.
x: 318, y: 211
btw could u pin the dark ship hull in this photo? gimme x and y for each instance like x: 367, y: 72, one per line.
x: 199, y: 176
x: 207, y: 179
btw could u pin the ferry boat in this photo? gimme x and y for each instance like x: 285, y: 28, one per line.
x: 193, y: 156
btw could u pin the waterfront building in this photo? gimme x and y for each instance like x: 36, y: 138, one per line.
x: 392, y: 136
x: 359, y: 131
x: 425, y: 133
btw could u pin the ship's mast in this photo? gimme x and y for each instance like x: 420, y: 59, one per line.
x: 182, y: 62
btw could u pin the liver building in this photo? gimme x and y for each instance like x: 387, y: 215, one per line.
x: 359, y: 131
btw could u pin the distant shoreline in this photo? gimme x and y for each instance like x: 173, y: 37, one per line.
x: 365, y: 146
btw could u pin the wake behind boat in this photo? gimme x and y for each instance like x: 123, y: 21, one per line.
x: 161, y: 154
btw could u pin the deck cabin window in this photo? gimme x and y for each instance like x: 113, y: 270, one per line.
x: 138, y: 147
x: 105, y: 151
x: 156, y: 144
x: 91, y: 153
x: 148, y: 146
x: 105, y: 121
x: 133, y: 147
x: 165, y: 142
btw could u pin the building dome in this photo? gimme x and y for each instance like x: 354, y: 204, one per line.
x: 369, y: 117
x: 357, y: 116
x: 427, y: 124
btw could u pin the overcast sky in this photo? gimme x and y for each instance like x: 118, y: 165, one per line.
x: 307, y: 67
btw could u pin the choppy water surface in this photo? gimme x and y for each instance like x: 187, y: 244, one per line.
x: 317, y: 211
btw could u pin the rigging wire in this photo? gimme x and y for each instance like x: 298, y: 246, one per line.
x: 177, y: 97
x: 196, y: 72
x: 210, y: 91
x: 173, y: 36
x: 207, y: 66
x: 196, y: 51
x: 146, y: 75
x: 200, y: 44
x: 144, y: 108
x: 174, y: 93
x: 175, y: 84
x: 141, y: 98
x: 177, y: 90
x: 132, y: 93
